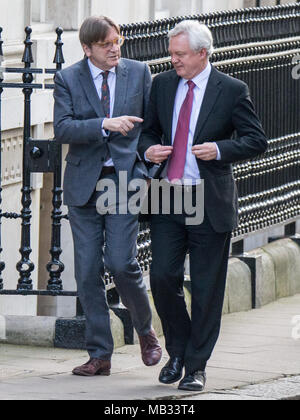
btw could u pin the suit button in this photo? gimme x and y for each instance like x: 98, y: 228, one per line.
x: 103, y: 159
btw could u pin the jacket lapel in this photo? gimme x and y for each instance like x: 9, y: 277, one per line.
x: 90, y: 89
x: 121, y: 88
x: 170, y: 103
x: 212, y: 93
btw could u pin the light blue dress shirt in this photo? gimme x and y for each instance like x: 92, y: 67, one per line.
x: 191, y: 171
x: 98, y: 79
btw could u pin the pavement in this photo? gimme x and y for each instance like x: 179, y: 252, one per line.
x: 256, y: 358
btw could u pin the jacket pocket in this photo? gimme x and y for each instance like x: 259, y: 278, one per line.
x: 73, y: 159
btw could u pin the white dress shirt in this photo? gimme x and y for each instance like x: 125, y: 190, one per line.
x: 111, y: 80
x: 191, y: 171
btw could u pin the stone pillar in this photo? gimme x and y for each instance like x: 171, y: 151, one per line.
x: 68, y: 14
x: 214, y: 5
x: 249, y: 3
x: 13, y: 19
x: 235, y: 4
x: 268, y: 3
x: 252, y: 3
x: 123, y: 11
x: 142, y: 10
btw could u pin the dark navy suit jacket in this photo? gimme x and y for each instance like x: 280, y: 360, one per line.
x: 226, y: 109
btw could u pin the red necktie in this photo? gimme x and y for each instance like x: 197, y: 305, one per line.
x: 178, y: 157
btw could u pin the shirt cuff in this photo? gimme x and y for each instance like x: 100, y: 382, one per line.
x: 218, y: 152
x: 145, y: 159
x: 105, y: 133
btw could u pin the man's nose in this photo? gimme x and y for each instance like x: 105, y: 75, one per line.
x: 115, y: 48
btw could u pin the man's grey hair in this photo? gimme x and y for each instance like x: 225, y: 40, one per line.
x: 199, y: 35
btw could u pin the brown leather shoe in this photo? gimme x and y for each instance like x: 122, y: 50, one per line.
x: 150, y: 348
x: 93, y: 367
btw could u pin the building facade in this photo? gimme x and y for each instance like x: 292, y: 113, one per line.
x: 44, y: 16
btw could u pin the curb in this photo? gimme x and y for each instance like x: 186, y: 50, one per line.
x: 68, y: 333
x: 285, y: 388
x: 28, y: 330
x: 65, y: 333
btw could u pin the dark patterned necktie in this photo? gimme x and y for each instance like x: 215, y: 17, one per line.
x: 105, y: 94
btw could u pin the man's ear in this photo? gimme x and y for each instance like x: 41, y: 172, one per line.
x: 203, y: 53
x: 87, y: 50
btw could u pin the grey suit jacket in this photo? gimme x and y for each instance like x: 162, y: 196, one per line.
x: 78, y: 117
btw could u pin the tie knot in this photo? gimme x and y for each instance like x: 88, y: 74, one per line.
x: 191, y: 84
x: 105, y: 74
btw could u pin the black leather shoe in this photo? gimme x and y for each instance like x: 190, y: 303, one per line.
x: 172, y: 371
x: 193, y: 382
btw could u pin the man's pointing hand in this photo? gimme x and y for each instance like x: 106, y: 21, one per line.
x: 122, y: 124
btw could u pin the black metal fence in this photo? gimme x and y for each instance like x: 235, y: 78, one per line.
x: 260, y: 46
x: 148, y: 40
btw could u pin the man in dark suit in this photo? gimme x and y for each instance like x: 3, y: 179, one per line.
x: 99, y: 108
x: 193, y: 113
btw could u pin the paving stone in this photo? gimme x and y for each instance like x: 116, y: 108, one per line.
x: 255, y: 358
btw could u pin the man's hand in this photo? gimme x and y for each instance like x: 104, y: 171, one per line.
x: 158, y: 154
x: 122, y: 124
x: 205, y: 151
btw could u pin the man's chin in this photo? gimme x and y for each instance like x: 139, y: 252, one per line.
x: 114, y: 61
x: 180, y: 72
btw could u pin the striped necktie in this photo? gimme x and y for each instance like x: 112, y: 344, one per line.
x: 105, y: 94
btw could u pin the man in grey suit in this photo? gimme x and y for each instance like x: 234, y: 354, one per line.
x: 99, y: 107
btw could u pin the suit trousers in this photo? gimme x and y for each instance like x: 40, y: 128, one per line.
x: 107, y: 241
x: 190, y: 337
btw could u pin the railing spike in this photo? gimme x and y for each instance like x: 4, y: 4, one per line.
x: 59, y: 57
x: 27, y: 56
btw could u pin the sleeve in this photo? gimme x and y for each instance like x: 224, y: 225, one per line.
x: 147, y: 87
x: 250, y: 140
x: 68, y: 129
x: 152, y: 131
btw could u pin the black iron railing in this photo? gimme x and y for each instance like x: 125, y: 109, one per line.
x: 257, y: 45
x: 149, y: 40
x: 269, y: 186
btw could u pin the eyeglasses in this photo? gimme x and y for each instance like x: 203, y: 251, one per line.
x: 108, y: 45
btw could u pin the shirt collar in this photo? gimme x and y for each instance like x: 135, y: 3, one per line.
x: 201, y: 77
x: 95, y: 71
